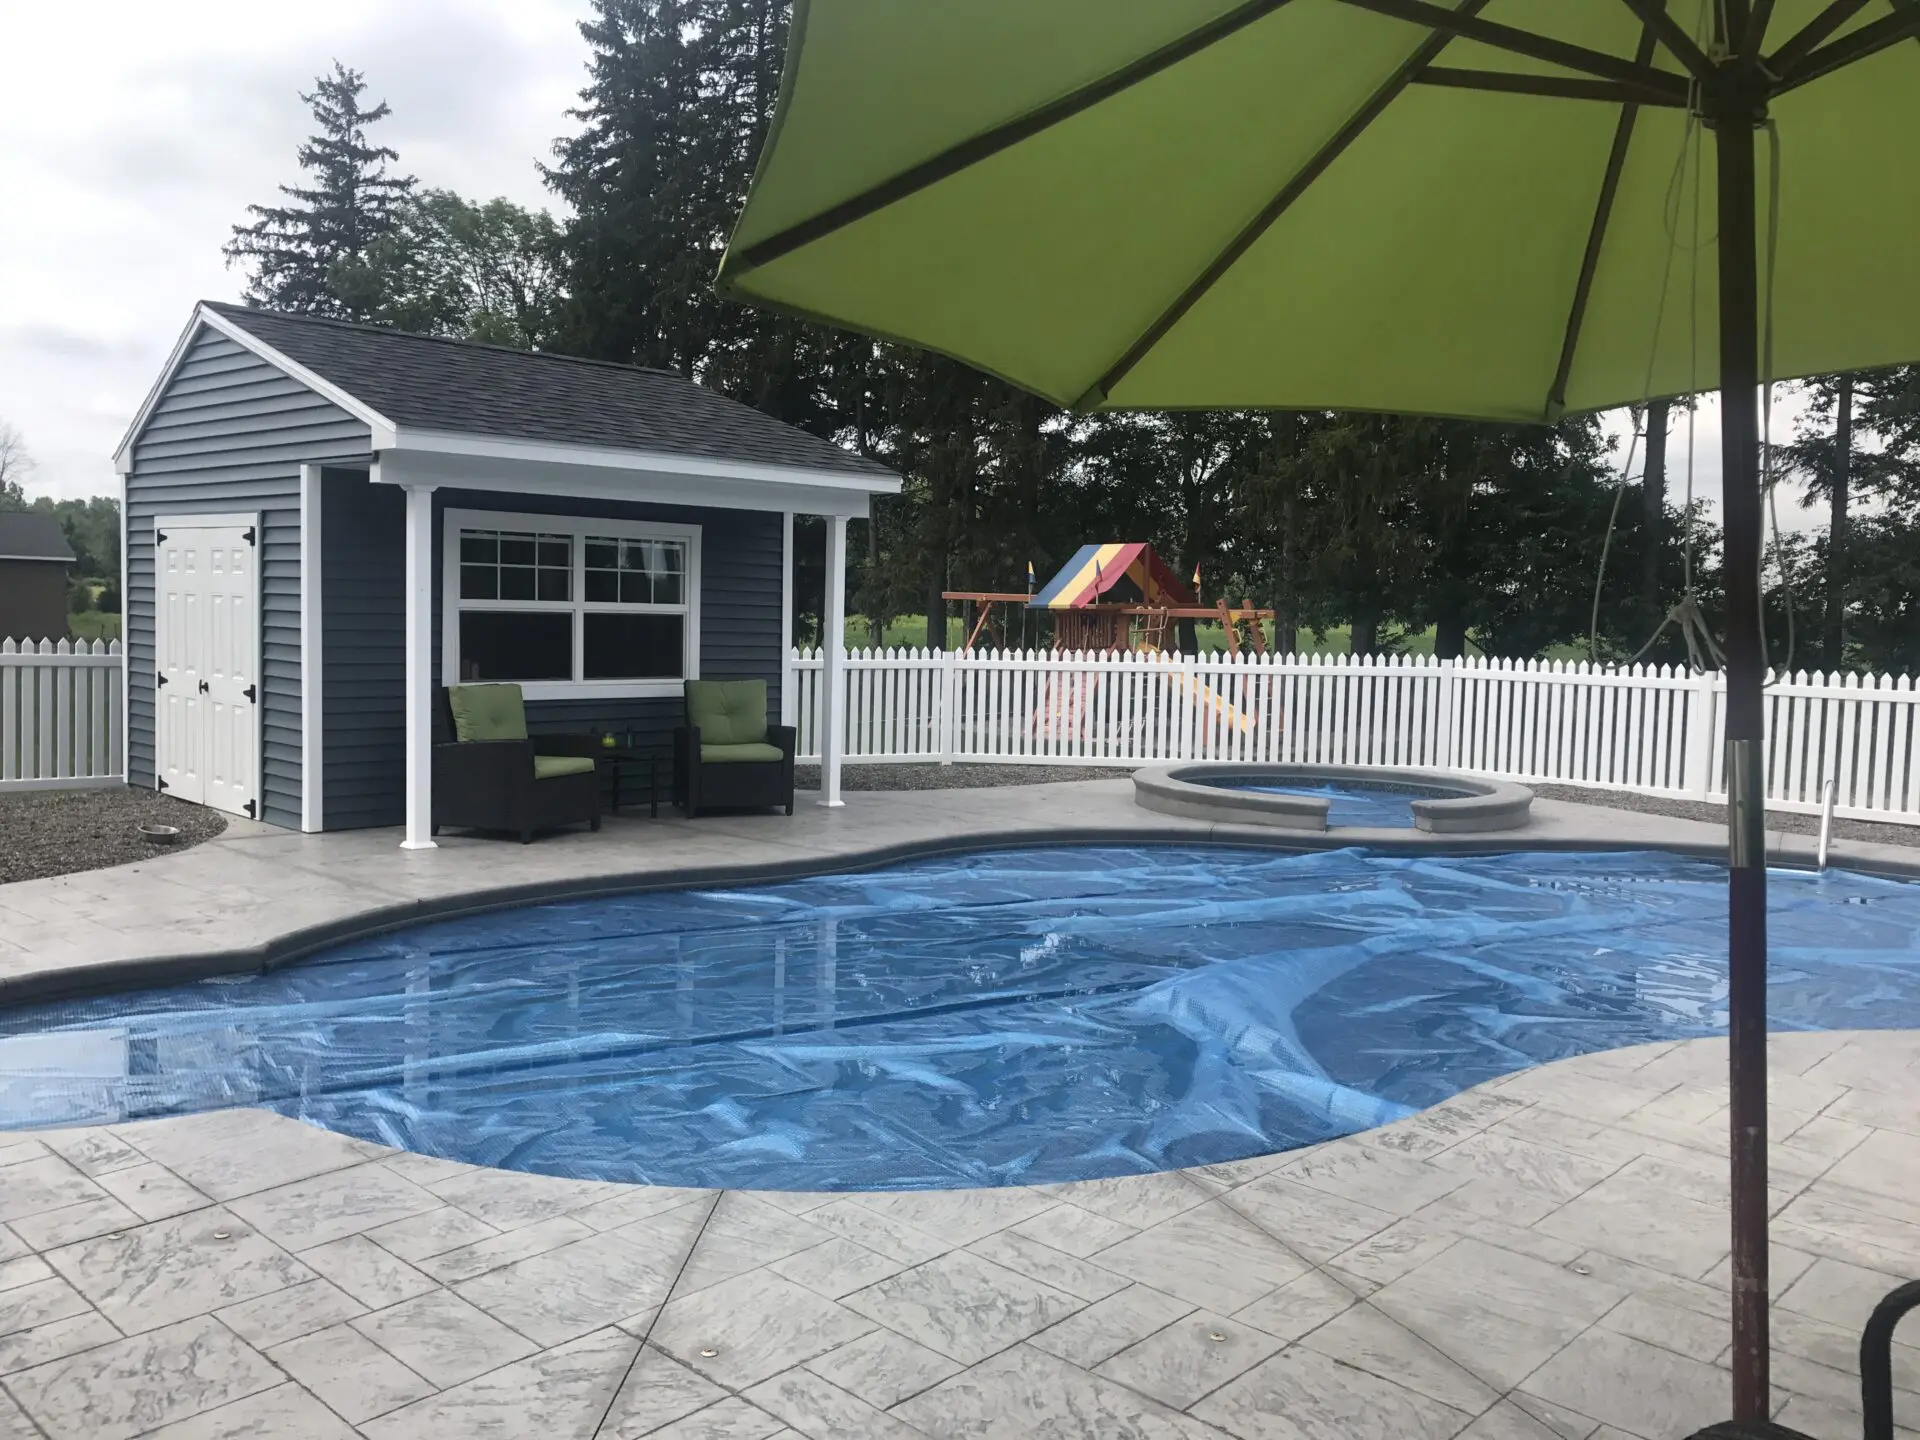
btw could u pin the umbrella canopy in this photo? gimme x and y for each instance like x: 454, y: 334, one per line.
x: 1195, y: 203
x: 1495, y: 209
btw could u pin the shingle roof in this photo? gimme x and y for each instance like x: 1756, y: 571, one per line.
x: 454, y: 385
x: 29, y: 535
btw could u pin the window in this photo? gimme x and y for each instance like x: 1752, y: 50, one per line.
x: 570, y: 607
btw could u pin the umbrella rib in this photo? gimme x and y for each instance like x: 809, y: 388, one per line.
x: 1524, y: 42
x: 1868, y: 40
x: 1812, y: 33
x: 1564, y: 86
x: 1596, y: 239
x: 1301, y: 182
x: 1653, y: 14
x: 989, y: 143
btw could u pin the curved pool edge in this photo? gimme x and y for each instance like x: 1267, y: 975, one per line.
x: 1128, y: 825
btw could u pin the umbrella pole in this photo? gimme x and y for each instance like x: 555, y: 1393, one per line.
x: 1735, y: 130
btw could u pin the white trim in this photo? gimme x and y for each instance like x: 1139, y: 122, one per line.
x: 419, y: 631
x: 577, y: 528
x: 787, y: 698
x: 126, y: 651
x: 382, y: 428
x: 833, y: 656
x: 312, y: 661
x: 218, y: 520
x: 537, y: 452
x: 517, y: 482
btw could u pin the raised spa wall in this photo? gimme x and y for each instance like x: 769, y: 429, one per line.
x: 1446, y: 804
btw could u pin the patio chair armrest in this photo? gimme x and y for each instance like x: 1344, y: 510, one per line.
x: 587, y: 746
x: 785, y: 739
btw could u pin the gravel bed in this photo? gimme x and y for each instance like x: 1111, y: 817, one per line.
x: 1868, y: 831
x: 56, y: 832
x: 953, y: 777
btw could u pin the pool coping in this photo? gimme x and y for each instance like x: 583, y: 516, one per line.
x: 300, y: 941
x: 1462, y: 804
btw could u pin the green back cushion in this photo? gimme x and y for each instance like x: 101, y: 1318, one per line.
x: 487, y: 712
x: 728, y: 712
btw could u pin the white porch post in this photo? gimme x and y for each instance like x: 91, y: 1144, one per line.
x: 419, y: 668
x: 833, y: 661
x: 789, y: 702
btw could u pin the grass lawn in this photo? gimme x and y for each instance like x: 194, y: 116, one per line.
x: 93, y: 625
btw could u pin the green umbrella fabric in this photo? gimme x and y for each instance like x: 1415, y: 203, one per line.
x: 1151, y: 205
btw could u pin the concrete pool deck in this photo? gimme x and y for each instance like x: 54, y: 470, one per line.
x: 1542, y: 1258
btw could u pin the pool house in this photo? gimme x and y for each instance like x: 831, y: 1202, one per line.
x: 323, y: 523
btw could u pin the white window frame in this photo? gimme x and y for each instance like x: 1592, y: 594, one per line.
x: 578, y: 528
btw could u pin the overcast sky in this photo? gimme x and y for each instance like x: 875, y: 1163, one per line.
x: 134, y: 135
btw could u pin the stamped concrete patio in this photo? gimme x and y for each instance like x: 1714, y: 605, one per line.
x: 1542, y: 1258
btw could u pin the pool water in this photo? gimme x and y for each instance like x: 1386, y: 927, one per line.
x: 1378, y: 807
x: 1005, y: 1018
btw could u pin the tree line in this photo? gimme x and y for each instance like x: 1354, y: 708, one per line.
x: 1489, y: 536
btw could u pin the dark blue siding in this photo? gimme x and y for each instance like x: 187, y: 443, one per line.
x: 230, y: 434
x: 364, y: 650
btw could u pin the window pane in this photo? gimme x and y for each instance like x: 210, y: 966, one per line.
x: 556, y: 584
x: 634, y: 589
x: 603, y: 555
x: 479, y: 582
x: 634, y: 647
x: 516, y: 582
x: 667, y: 589
x: 479, y: 547
x: 603, y: 586
x: 516, y: 550
x: 556, y: 554
x: 501, y: 645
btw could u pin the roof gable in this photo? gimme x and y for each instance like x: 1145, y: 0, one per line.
x: 31, y: 535
x: 419, y: 382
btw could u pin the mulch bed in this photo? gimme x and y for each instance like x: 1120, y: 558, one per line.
x: 56, y: 832
x: 953, y: 777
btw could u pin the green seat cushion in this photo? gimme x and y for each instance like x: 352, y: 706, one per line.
x: 487, y: 712
x: 547, y: 767
x: 728, y: 712
x: 735, y: 754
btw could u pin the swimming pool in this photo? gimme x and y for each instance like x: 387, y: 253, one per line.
x: 1001, y: 1018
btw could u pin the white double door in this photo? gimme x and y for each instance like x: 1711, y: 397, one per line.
x: 207, y: 643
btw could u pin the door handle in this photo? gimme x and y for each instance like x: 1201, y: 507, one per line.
x: 203, y: 687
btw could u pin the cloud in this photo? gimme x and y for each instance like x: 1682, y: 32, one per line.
x: 135, y: 136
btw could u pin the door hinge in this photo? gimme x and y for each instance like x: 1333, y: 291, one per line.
x: 159, y: 537
x: 248, y: 533
x: 248, y: 807
x: 248, y: 692
x: 160, y: 679
x: 159, y: 782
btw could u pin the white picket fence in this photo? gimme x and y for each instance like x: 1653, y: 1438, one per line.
x: 1654, y: 729
x: 60, y: 718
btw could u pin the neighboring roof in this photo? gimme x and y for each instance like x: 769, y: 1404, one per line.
x: 29, y: 535
x: 456, y: 386
x: 1095, y: 570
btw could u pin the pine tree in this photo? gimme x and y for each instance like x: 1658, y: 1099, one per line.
x: 311, y: 255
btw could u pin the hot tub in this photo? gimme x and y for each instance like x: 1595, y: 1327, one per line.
x: 1323, y: 797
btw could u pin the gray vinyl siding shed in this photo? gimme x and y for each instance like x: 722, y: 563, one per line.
x: 252, y: 400
x: 229, y: 433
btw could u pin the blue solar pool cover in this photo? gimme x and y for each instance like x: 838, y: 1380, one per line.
x: 1377, y: 807
x: 1004, y: 1018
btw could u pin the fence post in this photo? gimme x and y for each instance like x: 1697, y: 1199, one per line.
x: 948, y: 659
x: 1701, y: 700
x: 1447, y: 740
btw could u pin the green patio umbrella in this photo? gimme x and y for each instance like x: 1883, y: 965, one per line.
x: 1502, y: 209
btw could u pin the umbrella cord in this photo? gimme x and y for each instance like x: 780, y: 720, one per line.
x: 1780, y: 557
x: 1670, y: 216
